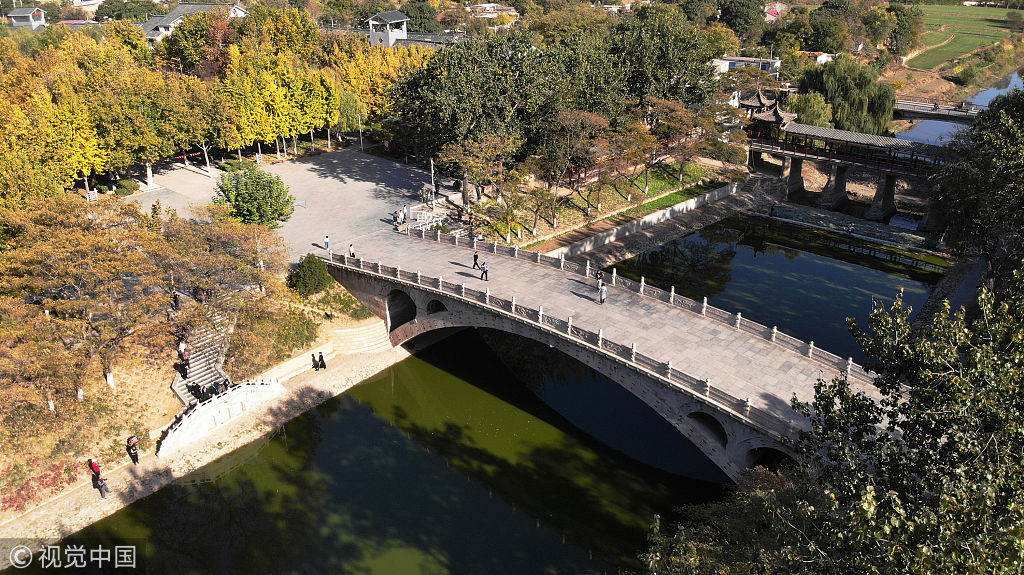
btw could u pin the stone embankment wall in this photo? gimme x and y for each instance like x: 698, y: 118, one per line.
x: 635, y: 226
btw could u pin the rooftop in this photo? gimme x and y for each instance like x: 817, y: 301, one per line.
x: 25, y: 11
x: 389, y: 17
x: 859, y: 138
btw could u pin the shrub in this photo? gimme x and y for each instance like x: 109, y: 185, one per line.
x: 101, y: 189
x: 129, y: 187
x: 310, y: 277
x: 693, y: 172
x: 966, y: 76
x: 255, y: 197
x: 236, y: 165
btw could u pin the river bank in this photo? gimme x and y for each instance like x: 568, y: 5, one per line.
x: 79, y: 507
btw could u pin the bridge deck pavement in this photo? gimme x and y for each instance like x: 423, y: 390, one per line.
x: 736, y: 362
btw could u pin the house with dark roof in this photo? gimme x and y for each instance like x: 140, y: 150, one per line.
x: 31, y: 17
x: 386, y: 28
x: 158, y: 27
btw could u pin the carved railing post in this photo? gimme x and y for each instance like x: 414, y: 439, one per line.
x: 668, y: 369
x: 540, y: 314
x: 632, y: 353
x: 462, y: 290
x: 538, y: 256
x: 378, y: 266
x: 775, y: 332
x: 417, y: 277
x: 440, y: 283
x: 810, y: 349
x: 513, y: 305
x: 746, y: 406
x: 849, y: 364
x: 569, y: 329
x: 561, y: 261
x: 704, y: 306
x: 487, y: 296
x: 515, y: 252
x: 615, y: 273
x: 600, y: 337
x: 587, y: 273
x: 398, y: 272
x: 495, y: 248
x: 642, y: 285
x: 672, y: 295
x: 739, y: 318
x: 707, y: 386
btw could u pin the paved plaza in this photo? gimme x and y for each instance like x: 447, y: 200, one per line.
x: 346, y: 194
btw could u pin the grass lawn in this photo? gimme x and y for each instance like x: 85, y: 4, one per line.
x: 972, y: 27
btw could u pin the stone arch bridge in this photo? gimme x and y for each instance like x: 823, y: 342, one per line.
x: 724, y: 382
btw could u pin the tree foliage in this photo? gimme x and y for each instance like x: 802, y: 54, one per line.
x: 255, y: 197
x: 859, y: 101
x: 310, y: 276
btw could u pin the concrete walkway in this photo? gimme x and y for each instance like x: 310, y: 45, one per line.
x: 734, y: 361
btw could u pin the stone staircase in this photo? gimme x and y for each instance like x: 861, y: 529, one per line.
x: 752, y: 182
x: 206, y: 345
x: 369, y: 338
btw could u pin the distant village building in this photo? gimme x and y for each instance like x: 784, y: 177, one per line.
x: 390, y: 29
x: 78, y: 24
x: 501, y: 16
x: 726, y: 63
x: 775, y: 10
x: 31, y: 17
x: 159, y: 27
x: 819, y: 57
x: 86, y: 3
x: 386, y: 28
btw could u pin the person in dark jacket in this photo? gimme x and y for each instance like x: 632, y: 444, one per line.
x: 321, y: 362
x: 132, y: 448
x: 316, y: 364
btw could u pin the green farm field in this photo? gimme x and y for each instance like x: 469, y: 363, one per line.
x: 972, y: 27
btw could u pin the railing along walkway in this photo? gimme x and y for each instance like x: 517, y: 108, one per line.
x: 767, y: 422
x: 773, y: 335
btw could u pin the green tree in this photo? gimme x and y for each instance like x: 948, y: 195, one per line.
x: 663, y: 55
x: 255, y: 197
x: 810, y: 109
x: 310, y: 276
x: 979, y: 185
x: 920, y: 476
x: 907, y: 29
x: 134, y: 10
x: 745, y: 17
x: 859, y: 101
x: 422, y: 17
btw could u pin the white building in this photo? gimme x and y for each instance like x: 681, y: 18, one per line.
x: 386, y: 28
x: 30, y: 17
x: 726, y: 63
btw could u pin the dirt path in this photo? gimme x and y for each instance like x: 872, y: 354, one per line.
x: 81, y: 505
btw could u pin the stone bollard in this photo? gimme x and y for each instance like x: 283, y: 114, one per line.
x: 615, y: 272
x: 600, y: 337
x: 672, y: 295
x: 810, y: 349
x: 775, y: 331
x: 495, y: 248
x: 704, y: 306
x: 739, y: 318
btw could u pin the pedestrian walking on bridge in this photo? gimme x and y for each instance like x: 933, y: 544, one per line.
x: 476, y: 261
x: 483, y: 271
x: 603, y: 295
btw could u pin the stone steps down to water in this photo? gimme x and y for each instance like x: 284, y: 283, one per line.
x: 207, y: 346
x: 369, y: 338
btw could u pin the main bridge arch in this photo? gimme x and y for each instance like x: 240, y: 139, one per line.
x: 731, y: 443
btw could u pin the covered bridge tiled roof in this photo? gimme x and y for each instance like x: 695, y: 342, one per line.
x: 859, y: 138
